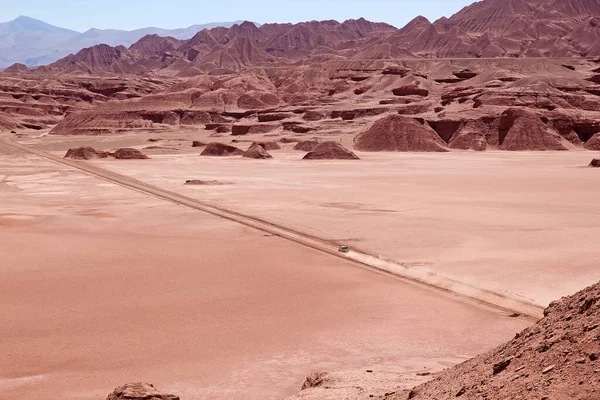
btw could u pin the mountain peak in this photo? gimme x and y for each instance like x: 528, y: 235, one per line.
x: 24, y: 23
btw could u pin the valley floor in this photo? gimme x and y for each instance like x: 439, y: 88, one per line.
x: 102, y: 285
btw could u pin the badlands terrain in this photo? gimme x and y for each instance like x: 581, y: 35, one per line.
x: 172, y: 212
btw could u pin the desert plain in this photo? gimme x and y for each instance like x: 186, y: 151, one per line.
x: 314, y: 211
x: 110, y: 285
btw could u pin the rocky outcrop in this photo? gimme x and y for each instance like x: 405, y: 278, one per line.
x: 89, y: 153
x: 306, y: 145
x: 197, y: 143
x: 330, y: 151
x: 139, y: 391
x: 410, y: 90
x: 257, y: 151
x: 86, y: 153
x: 272, y: 117
x: 129, y: 154
x: 398, y: 133
x: 221, y: 150
x: 595, y: 163
x: 557, y: 358
x: 594, y: 143
x: 269, y: 146
x: 313, y: 116
x: 523, y: 130
x: 239, y: 130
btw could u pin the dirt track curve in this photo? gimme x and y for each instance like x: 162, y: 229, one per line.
x: 412, y: 275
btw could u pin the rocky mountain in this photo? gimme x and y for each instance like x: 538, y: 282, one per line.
x: 229, y: 49
x: 509, y: 28
x: 485, y: 29
x: 32, y: 42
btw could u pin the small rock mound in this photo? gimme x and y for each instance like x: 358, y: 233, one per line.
x: 221, y: 150
x: 398, y: 133
x: 593, y: 143
x: 330, y: 151
x: 257, y: 151
x: 197, y: 143
x: 524, y: 130
x: 129, y: 154
x: 557, y: 358
x: 306, y: 145
x: 595, y: 163
x: 139, y: 391
x: 86, y: 153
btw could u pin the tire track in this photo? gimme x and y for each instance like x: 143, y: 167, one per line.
x: 414, y: 275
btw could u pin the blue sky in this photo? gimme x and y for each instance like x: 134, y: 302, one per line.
x: 130, y: 14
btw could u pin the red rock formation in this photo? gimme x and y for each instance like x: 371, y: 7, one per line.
x: 272, y: 117
x: 593, y: 143
x: 129, y: 154
x: 330, y: 151
x: 306, y: 145
x: 139, y: 391
x: 269, y: 146
x: 523, y: 130
x: 313, y: 116
x: 595, y: 163
x: 398, y: 133
x: 239, y: 130
x: 411, y: 90
x: 221, y: 150
x: 257, y: 151
x: 86, y: 153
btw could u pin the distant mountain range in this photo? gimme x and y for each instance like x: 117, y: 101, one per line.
x: 32, y: 42
x: 485, y: 29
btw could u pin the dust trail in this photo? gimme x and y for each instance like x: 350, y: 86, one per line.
x: 429, y: 278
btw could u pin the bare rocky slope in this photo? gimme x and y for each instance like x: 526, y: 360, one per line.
x: 558, y: 358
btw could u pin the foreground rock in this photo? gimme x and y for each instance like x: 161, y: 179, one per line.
x: 330, y: 151
x: 221, y: 150
x: 398, y: 133
x: 257, y: 152
x: 595, y: 163
x: 86, y: 153
x: 558, y: 358
x: 139, y: 391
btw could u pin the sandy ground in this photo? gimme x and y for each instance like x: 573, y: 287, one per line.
x: 525, y: 223
x: 101, y: 285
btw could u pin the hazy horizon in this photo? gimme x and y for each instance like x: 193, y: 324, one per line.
x: 82, y: 15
